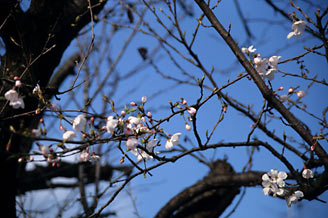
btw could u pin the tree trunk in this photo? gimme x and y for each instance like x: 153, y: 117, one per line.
x: 35, y: 41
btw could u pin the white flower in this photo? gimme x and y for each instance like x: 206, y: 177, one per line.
x: 69, y: 135
x: 151, y: 144
x: 298, y: 28
x: 248, y: 50
x: 294, y: 197
x: 134, y: 120
x: 79, y: 122
x: 273, y: 61
x: 283, y: 98
x: 260, y: 65
x: 85, y: 155
x: 300, y: 94
x: 11, y: 95
x: 132, y: 143
x: 270, y: 74
x: 17, y: 104
x: 174, y: 140
x: 36, y: 89
x: 273, y: 182
x: 111, y: 124
x: 307, y: 174
x: 14, y: 100
x: 191, y: 110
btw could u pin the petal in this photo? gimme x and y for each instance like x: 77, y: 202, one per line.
x: 266, y: 191
x: 282, y: 175
x: 265, y: 177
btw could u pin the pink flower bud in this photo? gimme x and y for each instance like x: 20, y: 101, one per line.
x: 184, y: 101
x: 20, y: 160
x: 61, y: 128
x: 132, y: 103
x: 290, y: 90
x: 188, y: 127
x: 281, y: 88
x: 16, y: 78
x: 123, y: 113
x: 149, y: 114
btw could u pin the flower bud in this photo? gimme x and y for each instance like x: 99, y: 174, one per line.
x: 188, y: 127
x: 143, y: 99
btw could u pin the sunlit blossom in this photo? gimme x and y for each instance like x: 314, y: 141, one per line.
x: 300, y: 94
x: 248, y: 50
x: 173, y: 140
x: 298, y: 29
x: 79, y: 122
x: 111, y: 124
x: 69, y: 135
x: 294, y: 198
x: 132, y: 143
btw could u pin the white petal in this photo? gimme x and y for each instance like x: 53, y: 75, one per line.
x: 282, y: 175
x: 266, y: 191
x: 290, y: 35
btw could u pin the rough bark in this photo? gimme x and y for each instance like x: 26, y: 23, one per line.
x: 35, y: 41
x: 210, y: 196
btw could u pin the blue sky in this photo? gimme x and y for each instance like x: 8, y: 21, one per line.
x: 154, y: 191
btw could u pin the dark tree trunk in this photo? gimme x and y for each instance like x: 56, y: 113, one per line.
x: 35, y: 41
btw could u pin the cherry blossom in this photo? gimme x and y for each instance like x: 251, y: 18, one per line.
x: 14, y: 100
x: 248, y: 50
x: 111, y: 124
x: 300, y: 94
x: 79, y: 122
x: 85, y: 155
x: 273, y: 182
x: 173, y: 140
x: 298, y: 28
x: 273, y: 61
x: 191, y: 110
x: 292, y: 199
x: 132, y: 143
x: 36, y: 89
x: 307, y: 174
x: 69, y: 135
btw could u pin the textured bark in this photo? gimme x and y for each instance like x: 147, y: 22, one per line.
x: 210, y: 196
x: 35, y: 41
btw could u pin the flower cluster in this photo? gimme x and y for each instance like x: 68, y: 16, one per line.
x: 273, y: 182
x: 267, y: 67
